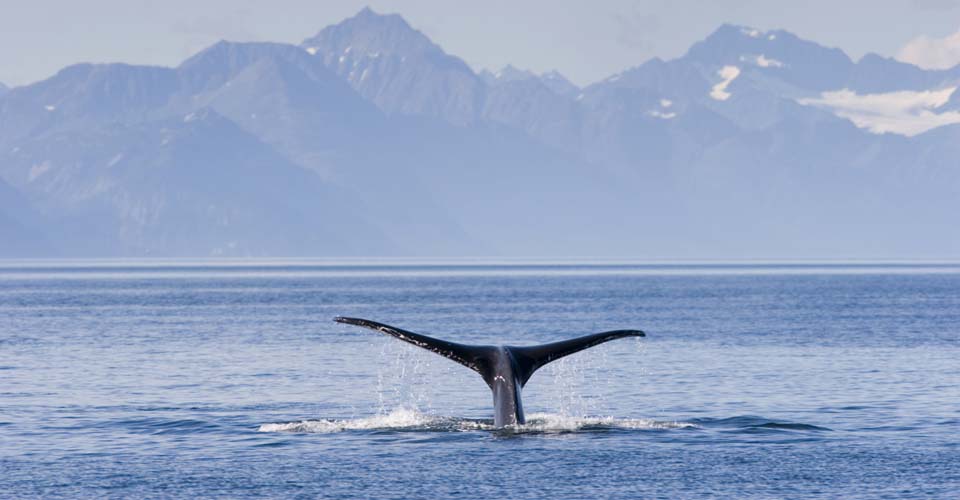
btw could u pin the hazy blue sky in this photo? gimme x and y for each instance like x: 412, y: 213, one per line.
x: 587, y: 41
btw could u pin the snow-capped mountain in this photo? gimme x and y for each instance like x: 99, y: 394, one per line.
x: 398, y: 68
x: 369, y: 139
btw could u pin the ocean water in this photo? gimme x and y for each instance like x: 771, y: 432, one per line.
x: 201, y: 379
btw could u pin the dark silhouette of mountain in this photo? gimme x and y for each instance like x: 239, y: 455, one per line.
x: 369, y: 139
x: 190, y: 185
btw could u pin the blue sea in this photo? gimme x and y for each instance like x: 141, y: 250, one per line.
x: 228, y: 380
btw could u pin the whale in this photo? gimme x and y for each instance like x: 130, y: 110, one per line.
x: 505, y: 369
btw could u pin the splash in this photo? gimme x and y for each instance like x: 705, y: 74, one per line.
x: 399, y: 419
x: 549, y: 422
x: 404, y: 377
x: 585, y: 385
x: 408, y: 420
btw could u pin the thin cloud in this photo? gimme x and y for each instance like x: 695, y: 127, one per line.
x: 932, y: 53
x: 904, y: 112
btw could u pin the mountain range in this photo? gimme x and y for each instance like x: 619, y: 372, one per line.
x: 368, y: 139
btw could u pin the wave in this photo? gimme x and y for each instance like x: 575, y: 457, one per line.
x: 412, y: 420
x: 750, y: 423
x: 160, y: 425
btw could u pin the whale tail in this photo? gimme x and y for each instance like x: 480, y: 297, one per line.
x: 484, y: 359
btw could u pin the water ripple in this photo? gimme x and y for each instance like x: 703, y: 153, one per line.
x: 752, y: 423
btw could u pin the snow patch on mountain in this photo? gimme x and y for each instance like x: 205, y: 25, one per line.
x: 762, y: 61
x: 728, y: 74
x: 904, y: 112
x: 662, y: 115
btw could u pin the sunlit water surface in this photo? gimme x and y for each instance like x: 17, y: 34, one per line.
x: 230, y: 380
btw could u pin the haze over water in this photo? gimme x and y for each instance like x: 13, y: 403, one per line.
x: 230, y: 380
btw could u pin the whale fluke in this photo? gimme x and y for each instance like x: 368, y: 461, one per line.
x: 530, y: 359
x: 505, y: 369
x: 471, y: 356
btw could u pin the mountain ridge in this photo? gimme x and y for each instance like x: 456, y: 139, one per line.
x: 369, y: 139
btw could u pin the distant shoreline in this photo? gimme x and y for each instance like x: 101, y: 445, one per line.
x: 323, y: 268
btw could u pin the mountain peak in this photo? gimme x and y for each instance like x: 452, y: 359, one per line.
x: 369, y: 14
x: 738, y: 38
x: 397, y: 67
x: 731, y: 41
x: 370, y: 32
x: 737, y: 30
x: 802, y: 62
x: 225, y: 49
x: 367, y: 17
x: 553, y: 80
x: 558, y: 83
x: 222, y: 61
x: 510, y: 73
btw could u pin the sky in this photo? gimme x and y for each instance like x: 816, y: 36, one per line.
x: 586, y: 41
